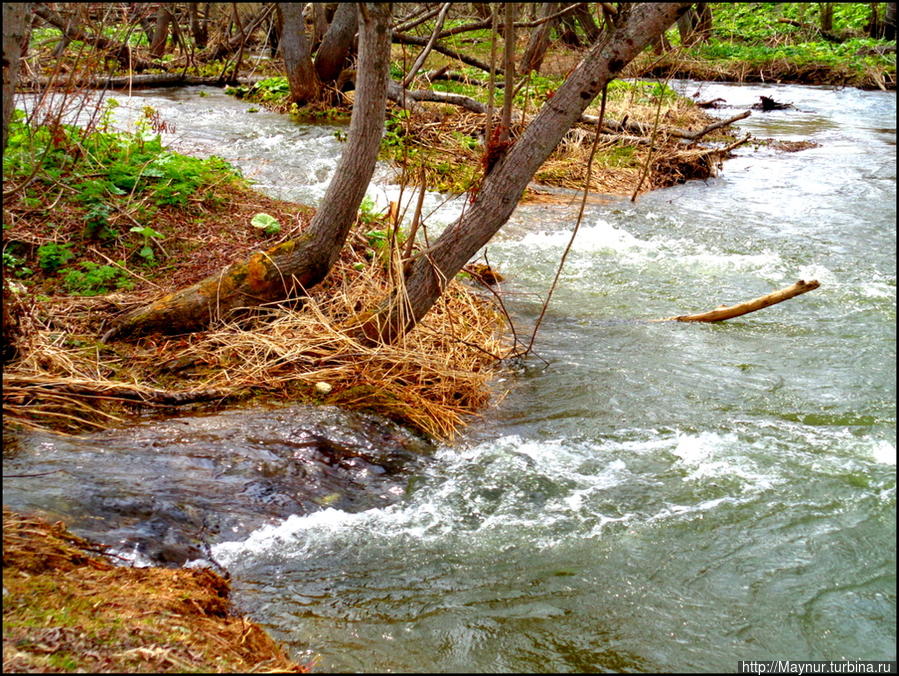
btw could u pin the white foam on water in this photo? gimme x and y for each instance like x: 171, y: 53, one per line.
x: 602, y: 237
x: 517, y: 490
x: 884, y: 453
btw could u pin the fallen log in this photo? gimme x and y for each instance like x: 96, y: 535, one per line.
x: 643, y: 130
x: 723, y: 312
x: 131, y: 81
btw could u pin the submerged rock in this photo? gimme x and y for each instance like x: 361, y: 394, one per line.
x: 165, y: 490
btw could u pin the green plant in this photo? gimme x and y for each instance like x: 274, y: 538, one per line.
x: 94, y: 279
x: 16, y: 265
x: 396, y: 129
x: 148, y: 234
x: 367, y: 212
x: 52, y: 256
x: 267, y: 223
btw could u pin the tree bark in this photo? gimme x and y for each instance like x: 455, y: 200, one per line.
x: 301, y: 77
x: 161, y: 32
x: 199, y: 28
x: 319, y: 24
x: 337, y: 45
x: 826, y: 16
x: 509, y: 68
x: 16, y: 30
x: 538, y: 43
x: 502, y: 187
x: 291, y: 268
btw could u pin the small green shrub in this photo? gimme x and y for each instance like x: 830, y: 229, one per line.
x: 94, y: 279
x: 52, y: 256
x: 16, y: 265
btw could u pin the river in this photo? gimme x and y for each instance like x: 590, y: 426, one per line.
x: 643, y: 496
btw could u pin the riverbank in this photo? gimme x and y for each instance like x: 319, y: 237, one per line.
x: 91, y: 238
x: 67, y: 607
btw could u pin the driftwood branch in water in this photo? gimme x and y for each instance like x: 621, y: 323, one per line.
x: 729, y: 312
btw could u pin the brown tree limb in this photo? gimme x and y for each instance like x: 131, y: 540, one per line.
x: 419, y: 61
x: 723, y: 312
x: 406, y: 39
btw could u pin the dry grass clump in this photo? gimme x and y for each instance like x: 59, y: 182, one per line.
x: 433, y: 380
x: 68, y: 608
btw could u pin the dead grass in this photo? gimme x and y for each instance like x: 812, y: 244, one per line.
x: 434, y: 380
x: 66, y: 607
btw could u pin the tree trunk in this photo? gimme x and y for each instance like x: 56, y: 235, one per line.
x: 337, y: 45
x: 198, y: 28
x: 16, y: 30
x: 304, y: 85
x: 319, y: 23
x: 889, y: 22
x: 826, y: 16
x: 509, y: 68
x: 583, y: 16
x: 482, y: 9
x: 695, y: 26
x: 501, y: 189
x: 288, y: 269
x: 161, y: 32
x: 538, y: 43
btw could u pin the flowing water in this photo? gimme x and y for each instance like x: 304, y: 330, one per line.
x: 646, y: 496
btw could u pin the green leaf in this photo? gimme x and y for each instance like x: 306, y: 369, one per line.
x: 265, y: 222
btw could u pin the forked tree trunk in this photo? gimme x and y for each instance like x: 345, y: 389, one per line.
x: 16, y: 29
x: 304, y: 85
x: 337, y: 45
x: 430, y: 271
x: 289, y: 269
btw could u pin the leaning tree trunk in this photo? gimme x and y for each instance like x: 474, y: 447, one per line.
x: 304, y: 85
x: 289, y: 269
x: 430, y: 271
x: 337, y: 45
x: 16, y: 29
x: 538, y: 43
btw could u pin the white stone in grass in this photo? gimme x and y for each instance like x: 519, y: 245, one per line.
x: 323, y: 388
